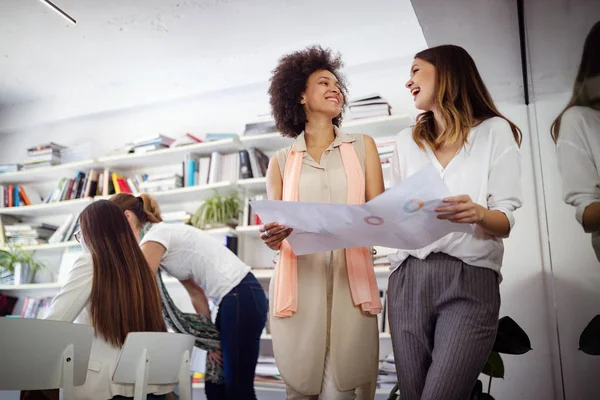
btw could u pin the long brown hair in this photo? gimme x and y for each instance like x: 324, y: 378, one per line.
x: 124, y: 294
x: 461, y: 98
x: 144, y: 207
x: 589, y: 68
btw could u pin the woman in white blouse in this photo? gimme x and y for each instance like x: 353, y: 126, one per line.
x: 112, y: 289
x: 576, y: 132
x: 444, y: 299
x: 208, y: 270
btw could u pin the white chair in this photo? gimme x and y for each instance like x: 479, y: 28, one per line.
x: 155, y: 358
x: 40, y: 354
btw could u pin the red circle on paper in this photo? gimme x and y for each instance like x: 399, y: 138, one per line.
x: 374, y: 220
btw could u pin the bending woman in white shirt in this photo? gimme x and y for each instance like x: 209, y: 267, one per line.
x: 576, y: 132
x: 444, y: 299
x: 112, y: 289
x: 207, y: 269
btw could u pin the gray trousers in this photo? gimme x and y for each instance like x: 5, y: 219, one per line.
x: 443, y: 318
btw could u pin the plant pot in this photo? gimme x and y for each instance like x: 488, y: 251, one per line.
x: 23, y: 273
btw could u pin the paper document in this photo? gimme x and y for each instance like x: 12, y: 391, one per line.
x: 402, y: 217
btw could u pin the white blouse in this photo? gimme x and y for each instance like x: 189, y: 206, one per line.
x: 578, y: 151
x: 488, y: 169
x: 193, y: 253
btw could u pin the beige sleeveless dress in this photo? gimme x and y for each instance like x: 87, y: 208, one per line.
x: 326, y: 319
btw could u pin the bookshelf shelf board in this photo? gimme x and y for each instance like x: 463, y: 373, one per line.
x: 389, y: 125
x: 170, y: 156
x: 376, y: 127
x: 254, y: 184
x: 248, y: 230
x: 267, y: 141
x: 48, y: 246
x: 53, y: 173
x: 58, y: 208
x: 188, y: 194
x: 31, y: 287
x: 220, y: 231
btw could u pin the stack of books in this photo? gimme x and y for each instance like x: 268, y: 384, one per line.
x: 369, y: 107
x: 9, y: 168
x: 176, y: 217
x: 261, y: 127
x: 28, y: 234
x: 44, y: 155
x: 156, y: 142
x: 158, y: 183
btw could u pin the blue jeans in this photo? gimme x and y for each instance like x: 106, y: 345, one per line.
x: 241, y: 319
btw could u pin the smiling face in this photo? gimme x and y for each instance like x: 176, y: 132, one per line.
x: 322, y: 94
x: 422, y: 84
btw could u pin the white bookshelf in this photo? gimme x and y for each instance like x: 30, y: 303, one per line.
x: 48, y: 246
x: 57, y: 208
x: 170, y: 156
x: 53, y: 173
x: 123, y: 163
x: 375, y: 127
x: 253, y: 185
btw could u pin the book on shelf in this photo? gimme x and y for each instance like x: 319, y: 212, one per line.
x: 176, y: 217
x: 66, y: 231
x: 155, y: 140
x: 28, y: 234
x: 209, y: 137
x: 260, y: 127
x: 157, y: 183
x: 253, y: 163
x: 249, y: 217
x: 80, y: 186
x: 18, y: 195
x: 11, y: 167
x: 35, y: 307
x: 185, y: 140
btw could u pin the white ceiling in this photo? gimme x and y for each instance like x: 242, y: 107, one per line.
x: 140, y: 51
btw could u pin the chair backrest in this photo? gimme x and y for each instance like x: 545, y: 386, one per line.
x: 35, y: 353
x: 164, y: 352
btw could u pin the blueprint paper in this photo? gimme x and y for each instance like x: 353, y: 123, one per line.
x: 402, y: 217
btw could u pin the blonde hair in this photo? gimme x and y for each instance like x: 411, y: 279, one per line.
x: 144, y: 207
x: 461, y: 98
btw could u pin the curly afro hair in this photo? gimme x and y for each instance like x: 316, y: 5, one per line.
x: 289, y: 82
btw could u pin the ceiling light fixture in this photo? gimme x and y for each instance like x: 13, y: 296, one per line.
x: 59, y: 11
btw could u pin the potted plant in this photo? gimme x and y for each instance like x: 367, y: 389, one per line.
x: 218, y: 211
x: 21, y: 264
x: 510, y: 339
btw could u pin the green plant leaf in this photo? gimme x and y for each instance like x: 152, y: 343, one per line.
x: 494, y: 366
x: 589, y: 341
x: 511, y: 338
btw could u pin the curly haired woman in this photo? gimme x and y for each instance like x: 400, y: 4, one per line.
x: 324, y: 305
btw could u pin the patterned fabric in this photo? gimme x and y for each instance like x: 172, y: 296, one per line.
x: 200, y: 327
